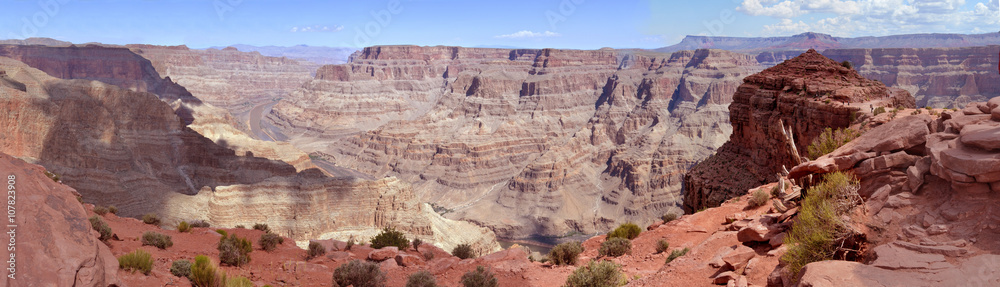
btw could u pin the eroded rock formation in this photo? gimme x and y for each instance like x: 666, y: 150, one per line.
x: 806, y: 94
x: 524, y: 141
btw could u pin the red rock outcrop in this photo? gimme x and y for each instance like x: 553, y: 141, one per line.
x: 555, y: 140
x: 936, y: 77
x: 806, y: 94
x: 53, y: 243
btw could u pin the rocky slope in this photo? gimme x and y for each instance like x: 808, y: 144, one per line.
x: 937, y: 77
x: 52, y: 242
x: 99, y: 138
x: 549, y: 141
x: 799, y: 97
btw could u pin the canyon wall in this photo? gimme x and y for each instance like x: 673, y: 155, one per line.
x: 126, y: 148
x: 804, y: 95
x: 523, y: 141
x: 937, y: 77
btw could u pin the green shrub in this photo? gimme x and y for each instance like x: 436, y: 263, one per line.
x: 677, y: 253
x: 205, y: 274
x: 626, y: 230
x: 222, y: 232
x: 566, y: 253
x: 138, y: 260
x: 100, y: 210
x: 160, y: 240
x: 847, y: 64
x: 359, y: 274
x: 269, y: 241
x: 479, y: 278
x: 390, y: 237
x: 199, y: 223
x: 112, y: 209
x: 52, y: 176
x: 428, y: 255
x: 615, y: 247
x: 151, y: 218
x: 181, y: 268
x: 463, y: 251
x: 262, y: 227
x: 315, y: 250
x: 758, y: 198
x: 416, y: 244
x: 830, y: 140
x: 239, y: 282
x: 98, y: 224
x: 662, y: 245
x: 234, y: 251
x: 183, y: 226
x: 421, y: 279
x: 878, y: 110
x: 669, y: 217
x: 820, y: 230
x: 603, y: 273
x: 350, y: 243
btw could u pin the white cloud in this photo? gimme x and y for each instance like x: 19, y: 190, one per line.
x: 873, y: 17
x: 528, y: 34
x: 318, y: 28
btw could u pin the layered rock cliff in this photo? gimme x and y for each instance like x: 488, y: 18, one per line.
x: 524, y: 141
x: 802, y: 96
x: 126, y: 148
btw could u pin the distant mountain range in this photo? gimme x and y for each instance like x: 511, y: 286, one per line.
x: 318, y: 55
x: 819, y: 41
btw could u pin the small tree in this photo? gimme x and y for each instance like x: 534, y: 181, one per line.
x: 359, y: 273
x: 566, y: 253
x: 479, y: 278
x: 416, y: 244
x: 390, y: 237
x: 463, y: 251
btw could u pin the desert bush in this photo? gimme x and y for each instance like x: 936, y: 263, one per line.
x: 222, y: 232
x: 479, y: 278
x: 100, y: 210
x: 138, y: 260
x: 830, y: 140
x: 262, y: 227
x: 626, y: 230
x: 199, y: 223
x: 205, y: 274
x: 669, y: 217
x: 269, y: 241
x: 603, y: 273
x: 112, y: 209
x: 315, y: 250
x: 677, y: 253
x: 52, y: 176
x: 847, y: 64
x: 390, y: 237
x: 98, y: 224
x: 160, y: 240
x: 416, y: 244
x: 463, y: 251
x: 878, y: 110
x: 183, y: 226
x: 820, y: 230
x: 181, y: 268
x: 359, y: 273
x: 350, y: 243
x: 421, y: 279
x: 239, y: 281
x: 566, y: 253
x: 758, y: 198
x: 662, y: 245
x: 234, y: 251
x: 241, y: 226
x: 615, y: 247
x: 151, y: 218
x: 428, y: 255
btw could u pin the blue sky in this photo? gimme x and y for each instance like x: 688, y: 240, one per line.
x: 580, y: 24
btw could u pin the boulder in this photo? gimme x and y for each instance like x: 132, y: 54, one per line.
x: 760, y: 229
x: 388, y: 265
x: 55, y: 245
x: 995, y: 115
x: 739, y: 257
x: 982, y: 137
x: 407, y: 260
x: 836, y: 273
x: 724, y: 277
x: 993, y: 103
x: 384, y: 253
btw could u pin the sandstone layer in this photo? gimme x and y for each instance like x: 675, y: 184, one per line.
x: 799, y: 97
x: 52, y: 243
x: 523, y: 141
x: 126, y: 148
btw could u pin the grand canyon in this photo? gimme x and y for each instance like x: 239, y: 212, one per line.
x: 803, y: 160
